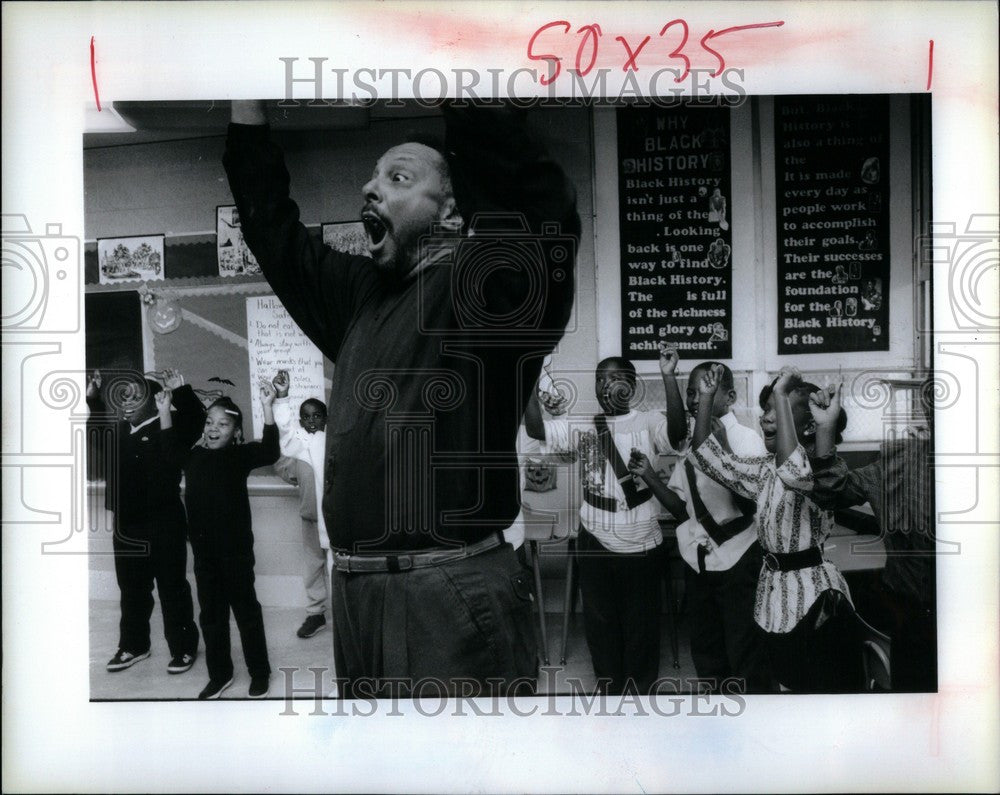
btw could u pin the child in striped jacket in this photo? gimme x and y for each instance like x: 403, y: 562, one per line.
x: 803, y: 604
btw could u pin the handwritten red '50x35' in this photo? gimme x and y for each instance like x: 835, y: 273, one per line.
x: 592, y: 33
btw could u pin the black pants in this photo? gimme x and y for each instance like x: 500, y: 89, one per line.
x: 725, y: 640
x: 463, y: 627
x: 622, y: 600
x: 154, y: 554
x: 226, y: 581
x: 824, y: 659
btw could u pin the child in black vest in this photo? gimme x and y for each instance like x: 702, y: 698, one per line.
x: 218, y: 508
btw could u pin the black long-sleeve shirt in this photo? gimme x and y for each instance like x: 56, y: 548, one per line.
x: 431, y: 375
x: 142, y: 486
x: 900, y: 488
x: 215, y: 488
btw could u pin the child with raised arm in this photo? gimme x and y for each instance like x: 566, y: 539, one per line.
x: 803, y: 603
x: 150, y: 530
x: 717, y: 538
x: 218, y: 508
x: 303, y: 450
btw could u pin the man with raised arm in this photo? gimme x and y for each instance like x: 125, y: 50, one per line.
x: 437, y: 338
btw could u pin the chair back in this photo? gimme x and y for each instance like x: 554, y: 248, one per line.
x: 876, y: 656
x: 539, y: 525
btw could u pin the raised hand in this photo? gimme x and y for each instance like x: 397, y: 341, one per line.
x: 825, y: 406
x: 172, y: 379
x: 785, y: 378
x: 163, y: 402
x: 668, y: 359
x: 94, y: 384
x: 281, y: 383
x: 710, y: 380
x: 267, y: 392
x: 248, y: 111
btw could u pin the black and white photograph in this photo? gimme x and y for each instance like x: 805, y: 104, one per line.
x: 631, y: 425
x: 347, y: 236
x: 234, y: 256
x: 131, y: 259
x: 807, y: 568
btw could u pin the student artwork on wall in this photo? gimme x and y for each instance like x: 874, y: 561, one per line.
x: 348, y: 237
x: 675, y: 207
x: 123, y: 259
x: 832, y: 204
x: 235, y: 258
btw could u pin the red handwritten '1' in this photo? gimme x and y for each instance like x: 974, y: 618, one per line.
x: 93, y: 72
x: 930, y: 64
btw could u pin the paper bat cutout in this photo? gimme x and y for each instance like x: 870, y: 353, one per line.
x: 221, y: 380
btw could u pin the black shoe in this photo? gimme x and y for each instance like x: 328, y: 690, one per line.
x: 259, y: 685
x: 313, y: 624
x: 182, y: 663
x: 125, y: 659
x: 214, y: 689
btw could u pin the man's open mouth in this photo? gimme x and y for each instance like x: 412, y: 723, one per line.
x: 375, y: 227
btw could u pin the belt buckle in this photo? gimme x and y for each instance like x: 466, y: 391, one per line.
x: 399, y: 563
x: 771, y: 561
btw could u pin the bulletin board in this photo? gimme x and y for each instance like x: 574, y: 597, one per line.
x: 211, y: 349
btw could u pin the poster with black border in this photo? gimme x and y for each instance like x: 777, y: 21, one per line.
x: 675, y: 195
x: 832, y: 204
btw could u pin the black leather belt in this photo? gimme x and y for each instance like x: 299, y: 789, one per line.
x: 790, y: 561
x: 610, y: 504
x: 371, y: 564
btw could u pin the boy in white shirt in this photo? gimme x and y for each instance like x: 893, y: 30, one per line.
x: 619, y: 545
x: 303, y: 448
x: 718, y: 541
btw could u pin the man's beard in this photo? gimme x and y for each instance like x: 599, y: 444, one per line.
x: 395, y: 270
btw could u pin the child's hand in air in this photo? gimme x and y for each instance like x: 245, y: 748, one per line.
x: 825, y: 406
x: 163, y: 402
x: 267, y: 392
x: 709, y: 383
x: 668, y: 359
x: 281, y: 383
x: 172, y: 379
x: 785, y: 378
